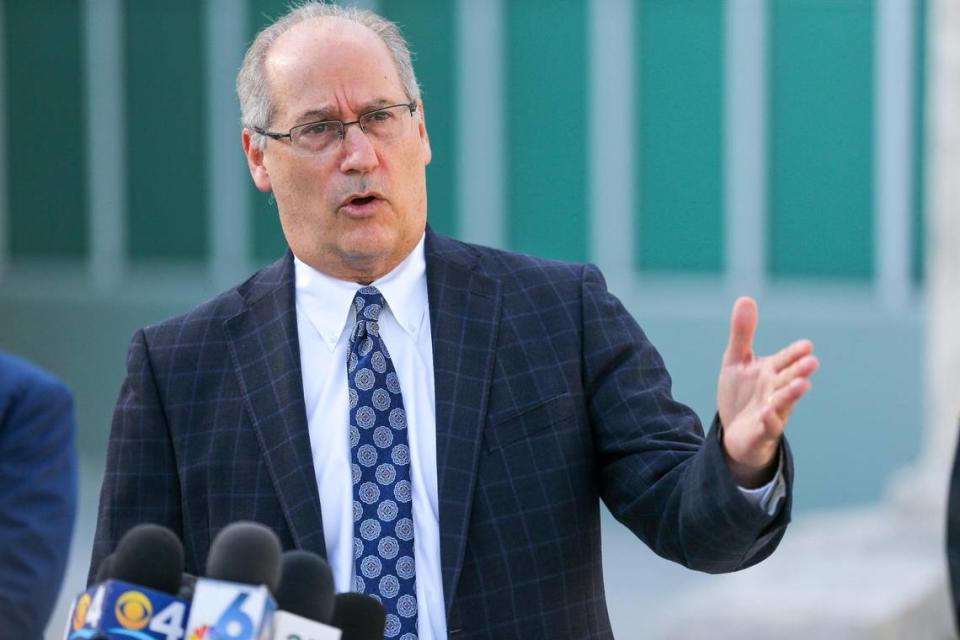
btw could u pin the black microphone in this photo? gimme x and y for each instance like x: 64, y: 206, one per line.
x: 359, y: 616
x: 306, y: 586
x: 245, y: 552
x: 151, y: 556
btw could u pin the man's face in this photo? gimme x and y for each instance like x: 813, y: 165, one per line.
x: 358, y: 210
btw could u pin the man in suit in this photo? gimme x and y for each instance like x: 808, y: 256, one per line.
x: 38, y: 495
x: 455, y: 475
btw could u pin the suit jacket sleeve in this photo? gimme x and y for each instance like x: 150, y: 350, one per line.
x: 140, y: 483
x: 659, y: 475
x: 38, y: 496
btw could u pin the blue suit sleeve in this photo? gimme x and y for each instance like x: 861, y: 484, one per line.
x: 38, y: 495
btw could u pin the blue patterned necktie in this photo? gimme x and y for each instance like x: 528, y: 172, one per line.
x: 382, y: 506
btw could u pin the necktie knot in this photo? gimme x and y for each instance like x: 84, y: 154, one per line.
x: 368, y: 303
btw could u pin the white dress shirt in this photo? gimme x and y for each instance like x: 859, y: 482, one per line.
x: 325, y: 316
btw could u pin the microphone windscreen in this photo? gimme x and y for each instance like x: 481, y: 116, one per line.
x: 306, y: 586
x: 245, y: 552
x: 105, y: 570
x: 359, y: 616
x: 150, y: 556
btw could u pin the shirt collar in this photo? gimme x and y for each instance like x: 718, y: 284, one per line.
x: 328, y: 301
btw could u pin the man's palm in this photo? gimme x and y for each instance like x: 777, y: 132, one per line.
x: 755, y: 395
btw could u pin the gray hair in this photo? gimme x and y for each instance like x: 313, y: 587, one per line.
x: 256, y: 107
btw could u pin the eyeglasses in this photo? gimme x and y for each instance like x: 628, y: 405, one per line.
x: 316, y: 138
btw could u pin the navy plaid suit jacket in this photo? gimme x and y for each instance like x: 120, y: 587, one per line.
x: 549, y: 398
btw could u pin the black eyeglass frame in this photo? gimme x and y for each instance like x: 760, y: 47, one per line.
x: 343, y: 125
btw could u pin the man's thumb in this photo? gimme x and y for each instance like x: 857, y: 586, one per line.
x: 743, y: 324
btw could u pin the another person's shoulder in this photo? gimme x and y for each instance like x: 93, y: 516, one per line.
x: 21, y: 380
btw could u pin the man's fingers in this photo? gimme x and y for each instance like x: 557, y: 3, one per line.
x: 782, y: 401
x: 743, y: 324
x: 802, y: 368
x: 791, y: 353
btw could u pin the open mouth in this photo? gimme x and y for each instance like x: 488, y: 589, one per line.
x: 362, y: 201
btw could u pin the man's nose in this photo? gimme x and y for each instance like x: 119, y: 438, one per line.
x: 359, y: 154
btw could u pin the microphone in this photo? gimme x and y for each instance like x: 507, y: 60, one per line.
x: 306, y: 586
x: 135, y: 596
x: 151, y: 556
x: 305, y: 599
x: 359, y: 616
x: 234, y: 602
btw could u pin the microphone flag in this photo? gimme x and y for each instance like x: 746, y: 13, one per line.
x: 117, y: 609
x: 224, y: 610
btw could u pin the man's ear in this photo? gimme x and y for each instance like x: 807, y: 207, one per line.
x: 258, y: 171
x: 424, y: 138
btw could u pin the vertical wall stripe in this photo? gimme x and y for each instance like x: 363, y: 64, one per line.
x: 430, y: 27
x: 821, y: 139
x: 480, y: 186
x: 547, y: 126
x: 745, y: 140
x: 893, y: 134
x: 4, y: 147
x: 680, y: 138
x: 46, y: 131
x: 227, y: 173
x: 920, y: 43
x: 166, y: 131
x: 611, y: 134
x: 106, y: 150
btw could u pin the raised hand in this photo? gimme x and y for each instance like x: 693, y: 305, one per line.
x: 755, y: 396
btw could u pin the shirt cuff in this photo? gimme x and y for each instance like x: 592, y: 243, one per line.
x: 769, y: 496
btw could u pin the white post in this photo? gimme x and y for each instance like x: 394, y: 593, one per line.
x: 893, y: 135
x: 106, y: 146
x: 611, y: 134
x: 227, y: 175
x: 480, y: 182
x: 745, y: 146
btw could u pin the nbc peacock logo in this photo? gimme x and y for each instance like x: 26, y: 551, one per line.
x: 133, y: 610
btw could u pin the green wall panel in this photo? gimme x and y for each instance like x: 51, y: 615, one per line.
x: 546, y: 121
x: 46, y: 120
x: 266, y: 234
x: 430, y: 28
x: 165, y: 80
x: 821, y: 138
x: 679, y: 49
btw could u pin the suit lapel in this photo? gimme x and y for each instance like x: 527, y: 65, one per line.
x: 266, y: 355
x: 464, y: 318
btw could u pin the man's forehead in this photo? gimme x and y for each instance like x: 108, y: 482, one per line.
x: 309, y: 64
x: 327, y: 43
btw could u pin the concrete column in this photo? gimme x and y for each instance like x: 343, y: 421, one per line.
x: 943, y: 235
